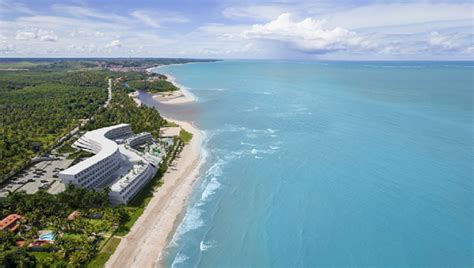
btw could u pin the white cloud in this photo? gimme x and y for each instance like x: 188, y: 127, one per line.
x: 114, y: 44
x: 322, y: 29
x: 50, y: 38
x: 156, y: 18
x: 308, y: 35
x: 7, y: 6
x: 254, y: 12
x: 39, y: 34
x: 85, y: 12
x: 383, y: 15
x: 439, y: 41
x: 145, y: 18
x: 25, y: 35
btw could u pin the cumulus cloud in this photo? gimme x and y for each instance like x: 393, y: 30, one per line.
x: 113, y: 44
x: 331, y: 30
x: 308, y: 35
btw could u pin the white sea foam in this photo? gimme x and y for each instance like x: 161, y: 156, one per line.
x: 255, y: 108
x: 251, y: 135
x: 204, y: 246
x: 210, y: 189
x: 263, y: 151
x: 248, y: 144
x: 215, y: 170
x: 234, y: 155
x: 216, y: 89
x: 180, y: 258
x: 232, y: 128
x: 184, y: 89
x: 192, y: 220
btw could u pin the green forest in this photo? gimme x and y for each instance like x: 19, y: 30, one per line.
x: 38, y: 107
x: 152, y: 86
x: 123, y: 109
x: 45, y: 99
x: 77, y: 240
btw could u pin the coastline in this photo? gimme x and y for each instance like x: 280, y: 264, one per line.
x: 176, y: 97
x: 152, y: 232
x: 180, y: 96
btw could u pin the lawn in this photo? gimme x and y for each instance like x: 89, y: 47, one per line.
x: 105, y: 253
x: 185, y: 136
x: 137, y: 206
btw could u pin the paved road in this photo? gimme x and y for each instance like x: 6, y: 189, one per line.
x: 109, y: 97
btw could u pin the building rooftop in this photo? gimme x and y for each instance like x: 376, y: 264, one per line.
x: 9, y: 222
x: 124, y: 181
x: 73, y: 215
x: 105, y: 145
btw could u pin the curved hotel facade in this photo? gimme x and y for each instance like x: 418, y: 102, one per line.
x: 96, y: 171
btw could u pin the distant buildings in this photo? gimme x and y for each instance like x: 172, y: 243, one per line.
x: 115, y: 164
x: 122, y: 68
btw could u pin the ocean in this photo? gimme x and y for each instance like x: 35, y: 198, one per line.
x: 329, y: 164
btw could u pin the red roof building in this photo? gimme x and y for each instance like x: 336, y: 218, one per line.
x: 10, y: 223
x: 73, y: 215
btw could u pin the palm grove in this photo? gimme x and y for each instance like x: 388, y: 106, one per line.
x: 40, y: 105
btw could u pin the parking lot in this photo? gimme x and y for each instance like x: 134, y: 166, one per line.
x: 42, y: 175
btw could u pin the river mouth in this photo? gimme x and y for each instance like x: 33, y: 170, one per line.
x: 182, y: 112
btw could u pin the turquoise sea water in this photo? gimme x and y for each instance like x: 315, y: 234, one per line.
x: 330, y: 164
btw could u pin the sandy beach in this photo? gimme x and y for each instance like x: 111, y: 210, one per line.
x: 175, y: 97
x: 151, y: 233
x: 180, y: 96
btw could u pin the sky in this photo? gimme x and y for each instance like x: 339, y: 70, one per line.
x: 283, y: 29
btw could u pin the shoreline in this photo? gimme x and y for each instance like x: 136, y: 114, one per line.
x: 143, y: 246
x: 181, y: 96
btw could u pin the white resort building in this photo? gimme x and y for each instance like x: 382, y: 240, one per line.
x: 115, y: 164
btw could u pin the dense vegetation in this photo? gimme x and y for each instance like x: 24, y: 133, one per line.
x: 75, y: 241
x: 78, y: 242
x: 152, y: 86
x: 122, y: 109
x: 38, y: 107
x: 126, y: 62
x: 136, y: 62
x: 41, y: 105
